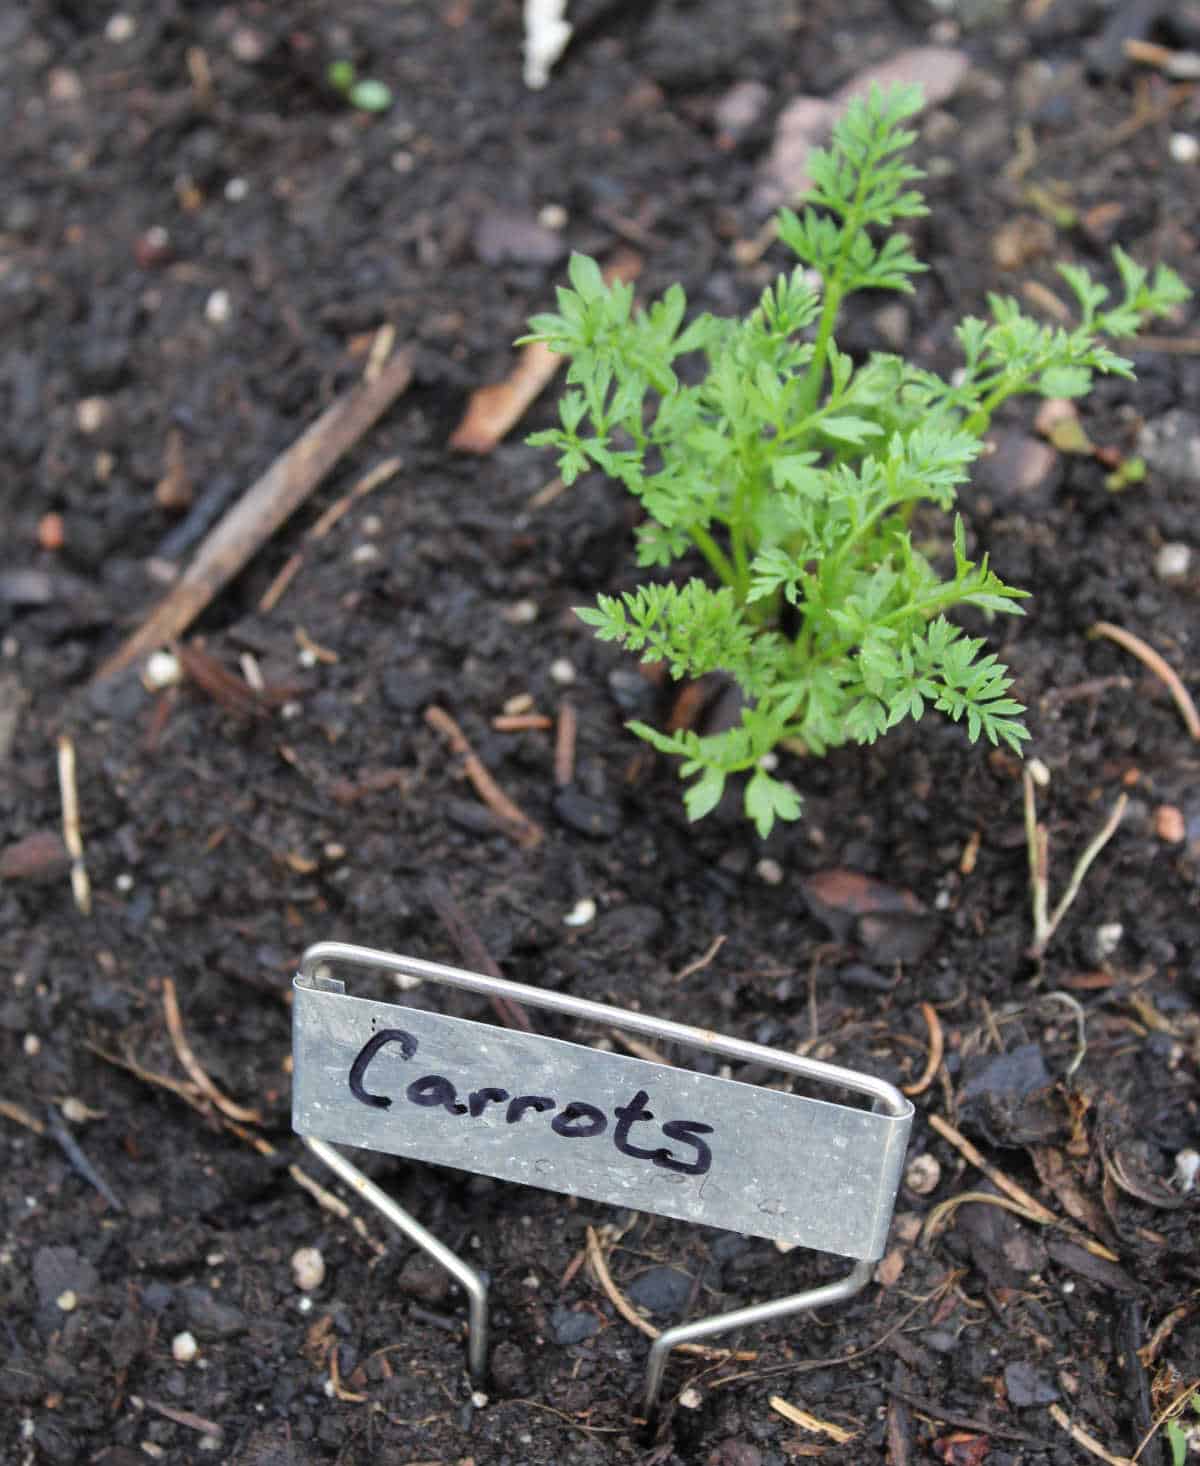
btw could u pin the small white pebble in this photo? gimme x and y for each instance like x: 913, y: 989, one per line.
x: 522, y: 703
x: 562, y: 672
x: 154, y: 1450
x: 236, y: 190
x: 162, y: 670
x: 581, y: 913
x: 32, y: 1045
x: 371, y: 524
x: 364, y: 554
x: 1108, y: 938
x: 1187, y: 1166
x: 329, y: 1390
x: 68, y: 1301
x: 923, y: 1174
x: 1183, y: 147
x: 521, y: 613
x: 218, y: 308
x: 306, y: 657
x: 691, y: 1398
x: 304, y: 1305
x: 91, y: 414
x: 308, y: 1268
x: 532, y: 1282
x: 333, y: 851
x: 1039, y: 773
x: 1172, y: 561
x: 403, y: 161
x: 184, y: 1348
x: 124, y: 883
x: 407, y: 982
x: 209, y: 1443
x: 769, y: 871
x: 785, y: 1247
x: 769, y: 762
x: 75, y: 1110
x: 479, y: 1399
x: 120, y: 28
x: 1068, y: 1285
x: 552, y: 216
x: 290, y: 711
x: 214, y: 1259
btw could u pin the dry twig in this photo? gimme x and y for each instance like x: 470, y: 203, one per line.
x: 262, y: 509
x: 1085, y: 1439
x: 527, y: 832
x: 702, y: 961
x: 630, y: 1314
x: 564, y: 743
x: 936, y: 1049
x: 837, y: 1433
x: 195, y: 1072
x: 1038, y: 843
x: 1165, y: 673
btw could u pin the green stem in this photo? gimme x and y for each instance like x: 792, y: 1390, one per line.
x: 715, y: 556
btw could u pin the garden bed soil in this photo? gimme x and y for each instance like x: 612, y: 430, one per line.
x: 224, y: 834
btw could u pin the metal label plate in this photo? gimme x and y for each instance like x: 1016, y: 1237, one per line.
x: 544, y: 1112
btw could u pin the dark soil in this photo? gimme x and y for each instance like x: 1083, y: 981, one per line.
x: 220, y: 844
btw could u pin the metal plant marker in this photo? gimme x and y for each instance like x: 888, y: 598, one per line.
x: 586, y: 1122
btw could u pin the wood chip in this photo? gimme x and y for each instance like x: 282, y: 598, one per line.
x: 528, y: 833
x: 806, y: 1421
x: 492, y: 411
x: 191, y: 1064
x: 1165, y: 673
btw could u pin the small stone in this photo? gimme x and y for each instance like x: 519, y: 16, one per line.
x: 893, y: 324
x: 247, y: 45
x: 769, y: 871
x: 1172, y: 561
x: 479, y: 1399
x: 152, y: 247
x: 218, y: 308
x: 739, y: 110
x: 1021, y: 240
x: 184, y: 1348
x: 68, y: 1301
x: 663, y: 1290
x: 120, y: 28
x: 41, y: 856
x: 1106, y: 939
x: 31, y: 1046
x: 520, y: 613
x: 162, y: 670
x: 582, y: 913
x: 236, y: 189
x: 1170, y: 446
x: 51, y: 532
x: 503, y: 237
x: 91, y: 414
x: 552, y: 216
x: 691, y: 1398
x: 63, y: 86
x: 308, y: 1268
x: 1187, y: 1166
x: 923, y: 1174
x: 1169, y: 824
x: 563, y: 672
x: 1183, y: 147
x: 573, y: 1327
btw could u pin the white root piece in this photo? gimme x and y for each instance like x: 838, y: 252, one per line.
x: 546, y: 37
x: 81, y: 887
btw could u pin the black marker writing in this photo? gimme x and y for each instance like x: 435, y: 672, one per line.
x: 576, y: 1120
x: 358, y: 1070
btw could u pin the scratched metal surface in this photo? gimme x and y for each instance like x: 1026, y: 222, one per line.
x: 783, y: 1166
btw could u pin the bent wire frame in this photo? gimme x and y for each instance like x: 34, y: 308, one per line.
x: 803, y: 1171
